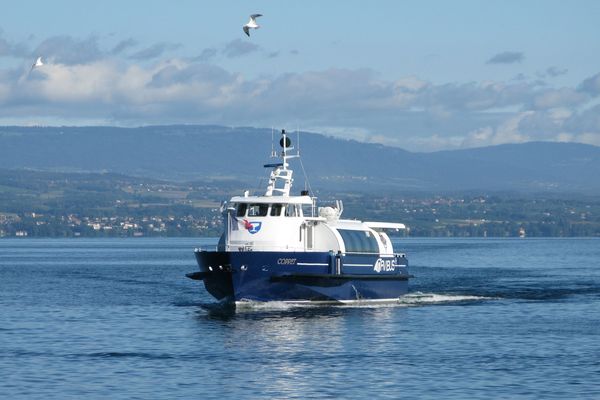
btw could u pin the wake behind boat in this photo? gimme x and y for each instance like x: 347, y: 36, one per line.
x: 282, y: 247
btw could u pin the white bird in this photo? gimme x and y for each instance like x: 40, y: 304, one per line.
x: 251, y: 24
x: 37, y: 63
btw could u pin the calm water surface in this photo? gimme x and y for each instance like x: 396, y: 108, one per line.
x: 116, y: 318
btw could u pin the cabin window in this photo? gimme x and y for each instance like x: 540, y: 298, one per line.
x: 307, y: 210
x: 276, y: 210
x: 291, y: 210
x: 258, y: 210
x: 359, y: 241
x: 241, y: 209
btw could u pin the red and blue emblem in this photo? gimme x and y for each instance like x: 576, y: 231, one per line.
x: 252, y: 226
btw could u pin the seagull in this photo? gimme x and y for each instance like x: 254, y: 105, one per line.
x: 251, y: 24
x: 37, y: 63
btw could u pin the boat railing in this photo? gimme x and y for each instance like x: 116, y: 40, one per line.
x: 353, y: 253
x: 213, y: 247
x: 253, y: 247
x: 250, y: 247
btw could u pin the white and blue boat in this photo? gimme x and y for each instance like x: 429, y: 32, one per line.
x: 282, y: 247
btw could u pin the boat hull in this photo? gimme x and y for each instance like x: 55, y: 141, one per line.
x: 301, y: 276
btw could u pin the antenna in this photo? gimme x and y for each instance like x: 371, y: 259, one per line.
x: 273, y: 154
x: 284, y: 142
x: 306, y: 181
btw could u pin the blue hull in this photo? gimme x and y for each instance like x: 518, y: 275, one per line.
x: 301, y: 276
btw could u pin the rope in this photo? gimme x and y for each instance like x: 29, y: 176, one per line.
x: 306, y: 177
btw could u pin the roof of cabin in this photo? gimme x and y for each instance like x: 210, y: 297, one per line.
x: 272, y: 199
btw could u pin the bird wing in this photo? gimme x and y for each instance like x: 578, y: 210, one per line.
x: 246, y: 30
x: 253, y: 16
x: 37, y: 63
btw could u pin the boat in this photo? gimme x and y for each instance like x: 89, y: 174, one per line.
x: 282, y: 247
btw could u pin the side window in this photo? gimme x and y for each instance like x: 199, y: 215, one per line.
x: 276, y: 210
x: 258, y: 210
x: 359, y: 241
x: 307, y: 210
x: 241, y: 210
x: 290, y: 210
x: 263, y: 210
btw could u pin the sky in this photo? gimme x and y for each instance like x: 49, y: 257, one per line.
x: 420, y: 75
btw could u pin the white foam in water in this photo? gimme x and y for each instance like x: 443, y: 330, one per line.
x: 412, y: 299
x: 249, y: 305
x: 419, y: 298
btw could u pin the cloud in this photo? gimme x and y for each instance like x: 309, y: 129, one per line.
x: 507, y: 57
x: 561, y: 97
x: 154, y: 51
x: 410, y: 112
x: 82, y: 81
x: 123, y: 45
x: 238, y: 48
x: 5, y: 47
x: 206, y: 55
x: 182, y: 74
x: 591, y: 85
x: 8, y: 49
x: 68, y: 50
x: 506, y: 132
x: 234, y: 49
x: 585, y: 121
x: 553, y: 72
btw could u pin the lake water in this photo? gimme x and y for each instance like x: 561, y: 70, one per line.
x: 116, y: 318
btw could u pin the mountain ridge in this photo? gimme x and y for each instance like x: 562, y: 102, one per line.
x: 188, y: 152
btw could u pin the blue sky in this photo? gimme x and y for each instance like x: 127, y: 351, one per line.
x: 422, y: 75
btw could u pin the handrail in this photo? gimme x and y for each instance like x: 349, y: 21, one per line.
x: 401, y: 255
x: 299, y: 249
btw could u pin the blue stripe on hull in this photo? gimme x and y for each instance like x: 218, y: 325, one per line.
x: 302, y: 276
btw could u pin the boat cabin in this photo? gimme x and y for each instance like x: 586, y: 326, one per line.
x: 278, y: 221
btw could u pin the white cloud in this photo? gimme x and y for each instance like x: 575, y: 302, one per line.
x: 561, y: 97
x: 431, y: 143
x: 506, y: 132
x: 589, y: 138
x: 408, y: 112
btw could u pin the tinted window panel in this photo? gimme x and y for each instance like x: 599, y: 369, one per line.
x: 290, y: 210
x: 276, y: 210
x: 241, y: 210
x: 258, y: 210
x: 359, y: 241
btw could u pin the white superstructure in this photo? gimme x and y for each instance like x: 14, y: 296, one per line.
x: 278, y: 221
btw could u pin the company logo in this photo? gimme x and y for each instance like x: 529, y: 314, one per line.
x: 252, y: 227
x: 384, y: 265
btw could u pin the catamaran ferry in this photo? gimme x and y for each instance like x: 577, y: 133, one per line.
x: 282, y: 247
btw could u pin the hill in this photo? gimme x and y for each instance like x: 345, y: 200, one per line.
x: 186, y: 153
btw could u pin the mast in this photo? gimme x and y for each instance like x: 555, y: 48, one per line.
x: 284, y: 144
x: 280, y: 179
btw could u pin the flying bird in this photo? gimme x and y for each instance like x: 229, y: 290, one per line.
x: 38, y: 63
x: 251, y: 24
